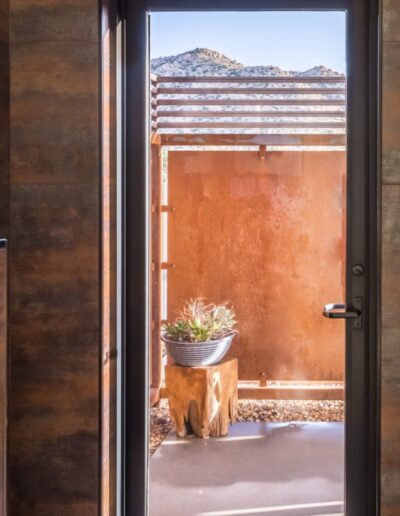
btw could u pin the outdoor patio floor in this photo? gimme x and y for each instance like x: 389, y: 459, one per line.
x: 282, y: 469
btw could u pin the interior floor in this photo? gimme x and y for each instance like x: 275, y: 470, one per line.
x: 285, y: 469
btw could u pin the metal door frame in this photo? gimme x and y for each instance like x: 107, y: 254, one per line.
x: 363, y: 170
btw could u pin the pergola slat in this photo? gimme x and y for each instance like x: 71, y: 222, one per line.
x: 250, y: 102
x: 255, y: 79
x: 310, y: 94
x: 254, y: 114
x: 250, y: 91
x: 251, y: 125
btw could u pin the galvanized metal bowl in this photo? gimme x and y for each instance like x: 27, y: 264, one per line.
x: 197, y: 354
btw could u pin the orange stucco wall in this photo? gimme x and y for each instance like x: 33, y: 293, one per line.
x: 268, y: 236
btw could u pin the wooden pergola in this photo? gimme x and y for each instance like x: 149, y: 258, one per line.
x: 231, y: 111
x: 278, y: 111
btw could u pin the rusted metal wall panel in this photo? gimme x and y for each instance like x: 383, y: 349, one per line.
x: 54, y: 258
x: 4, y: 117
x: 268, y: 236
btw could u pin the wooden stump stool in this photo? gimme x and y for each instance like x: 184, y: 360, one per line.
x: 202, y: 399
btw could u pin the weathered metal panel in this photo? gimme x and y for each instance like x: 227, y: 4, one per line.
x: 268, y: 236
x: 54, y: 258
x: 4, y: 117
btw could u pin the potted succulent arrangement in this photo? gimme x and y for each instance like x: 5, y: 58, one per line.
x: 201, y: 335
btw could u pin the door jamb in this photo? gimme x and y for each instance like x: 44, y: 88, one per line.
x: 135, y: 274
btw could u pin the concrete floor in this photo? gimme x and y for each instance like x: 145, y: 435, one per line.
x: 276, y: 469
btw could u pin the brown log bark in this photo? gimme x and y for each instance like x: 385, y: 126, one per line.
x: 202, y: 400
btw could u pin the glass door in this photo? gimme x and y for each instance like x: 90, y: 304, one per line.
x: 249, y: 188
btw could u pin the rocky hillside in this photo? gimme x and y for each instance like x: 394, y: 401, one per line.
x: 202, y: 61
x: 205, y: 62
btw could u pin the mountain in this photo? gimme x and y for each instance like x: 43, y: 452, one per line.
x: 203, y: 61
x: 318, y: 71
x: 206, y: 62
x: 200, y: 61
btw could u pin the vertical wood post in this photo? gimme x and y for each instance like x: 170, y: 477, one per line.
x: 156, y: 255
x: 109, y: 261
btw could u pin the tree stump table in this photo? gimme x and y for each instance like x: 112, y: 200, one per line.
x: 202, y: 400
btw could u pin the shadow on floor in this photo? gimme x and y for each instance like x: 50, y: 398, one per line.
x: 286, y: 469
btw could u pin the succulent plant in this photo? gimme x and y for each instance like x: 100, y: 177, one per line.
x: 201, y: 322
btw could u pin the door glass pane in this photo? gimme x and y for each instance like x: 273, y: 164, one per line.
x: 248, y: 222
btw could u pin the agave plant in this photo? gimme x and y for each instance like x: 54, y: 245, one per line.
x: 199, y: 322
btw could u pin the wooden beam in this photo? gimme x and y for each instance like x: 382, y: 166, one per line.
x: 290, y: 393
x: 156, y: 277
x: 250, y: 91
x: 295, y: 140
x: 251, y: 125
x: 155, y: 138
x: 319, y: 391
x: 250, y: 102
x: 248, y: 114
x: 263, y: 79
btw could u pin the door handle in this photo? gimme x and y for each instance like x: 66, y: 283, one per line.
x: 339, y: 311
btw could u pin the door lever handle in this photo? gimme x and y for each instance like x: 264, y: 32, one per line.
x: 339, y: 311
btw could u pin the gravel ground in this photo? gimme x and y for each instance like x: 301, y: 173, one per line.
x: 255, y: 410
x: 160, y: 425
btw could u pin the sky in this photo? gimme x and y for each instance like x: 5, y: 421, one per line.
x: 291, y: 40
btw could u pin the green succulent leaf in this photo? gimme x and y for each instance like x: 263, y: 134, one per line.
x: 199, y: 322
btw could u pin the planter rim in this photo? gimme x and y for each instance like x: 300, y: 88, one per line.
x: 188, y: 343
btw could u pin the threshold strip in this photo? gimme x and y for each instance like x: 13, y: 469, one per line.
x: 331, y: 514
